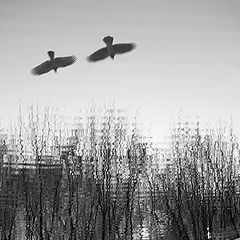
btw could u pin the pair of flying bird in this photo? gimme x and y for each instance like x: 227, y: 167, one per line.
x: 110, y: 50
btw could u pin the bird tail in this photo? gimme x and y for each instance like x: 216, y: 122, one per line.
x: 108, y: 40
x: 51, y: 54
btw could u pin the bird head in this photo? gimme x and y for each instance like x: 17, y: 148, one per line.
x: 51, y: 54
x: 108, y: 40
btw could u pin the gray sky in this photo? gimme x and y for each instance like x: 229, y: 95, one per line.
x: 187, y: 57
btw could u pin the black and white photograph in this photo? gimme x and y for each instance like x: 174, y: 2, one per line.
x: 120, y: 120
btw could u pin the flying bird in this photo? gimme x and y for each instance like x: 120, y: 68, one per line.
x: 110, y: 50
x: 53, y: 64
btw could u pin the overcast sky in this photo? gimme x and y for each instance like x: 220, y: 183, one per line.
x: 187, y: 57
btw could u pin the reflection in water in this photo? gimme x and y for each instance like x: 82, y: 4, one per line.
x: 21, y: 198
x: 103, y: 180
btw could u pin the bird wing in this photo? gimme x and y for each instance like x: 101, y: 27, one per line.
x: 123, y: 47
x: 42, y: 68
x: 98, y: 55
x: 64, y: 61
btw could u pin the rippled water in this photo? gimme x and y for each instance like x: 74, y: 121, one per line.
x: 29, y: 211
x: 107, y: 182
x: 34, y: 198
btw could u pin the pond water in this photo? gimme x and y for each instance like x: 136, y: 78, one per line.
x: 54, y: 203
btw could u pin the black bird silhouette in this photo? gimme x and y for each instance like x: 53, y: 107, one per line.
x: 110, y: 50
x: 53, y: 64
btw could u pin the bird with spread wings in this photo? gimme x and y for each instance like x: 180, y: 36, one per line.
x: 110, y: 50
x: 53, y: 64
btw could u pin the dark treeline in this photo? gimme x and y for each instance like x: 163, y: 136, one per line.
x: 103, y: 180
